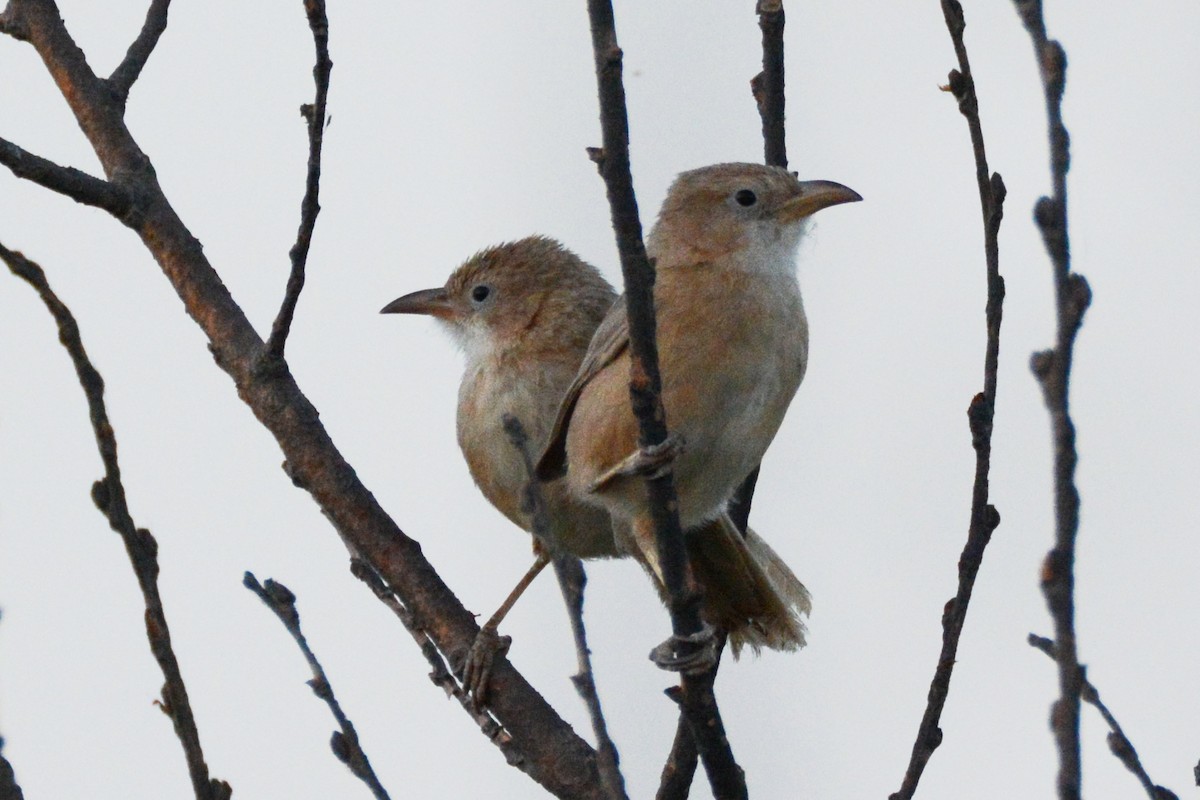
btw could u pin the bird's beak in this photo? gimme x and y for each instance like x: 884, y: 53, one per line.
x: 815, y: 195
x: 434, y: 302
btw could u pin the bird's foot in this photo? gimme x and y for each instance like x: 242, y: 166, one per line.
x: 477, y: 667
x: 692, y: 654
x: 652, y: 461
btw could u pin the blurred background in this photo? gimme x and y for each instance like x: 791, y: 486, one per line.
x: 456, y: 126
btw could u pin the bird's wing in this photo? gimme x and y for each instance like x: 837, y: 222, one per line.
x: 609, y: 341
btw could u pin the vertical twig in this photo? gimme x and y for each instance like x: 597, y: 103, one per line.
x: 108, y: 493
x: 571, y: 581
x: 1053, y: 370
x: 1118, y: 742
x: 314, y: 116
x: 767, y: 86
x: 698, y: 702
x: 344, y: 743
x: 980, y: 413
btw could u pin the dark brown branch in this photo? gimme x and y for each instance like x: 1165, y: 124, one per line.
x: 345, y: 744
x: 130, y: 68
x: 980, y: 414
x: 440, y: 673
x: 542, y: 743
x: 314, y: 115
x: 9, y: 789
x: 698, y: 701
x: 75, y: 184
x: 767, y: 85
x: 571, y: 581
x: 1053, y: 371
x: 109, y: 496
x: 1118, y: 742
x: 675, y: 782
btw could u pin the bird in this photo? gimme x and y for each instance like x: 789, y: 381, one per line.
x: 524, y: 313
x: 732, y: 340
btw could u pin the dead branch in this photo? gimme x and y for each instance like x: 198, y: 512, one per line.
x: 109, y: 495
x: 344, y: 743
x: 980, y: 413
x: 130, y: 68
x: 314, y: 116
x: 1053, y: 370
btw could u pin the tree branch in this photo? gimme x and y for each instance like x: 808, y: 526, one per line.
x: 345, y: 744
x: 9, y: 788
x: 75, y: 184
x: 314, y: 115
x: 980, y: 413
x: 571, y: 581
x: 1053, y: 371
x: 767, y: 86
x: 130, y: 68
x: 544, y: 745
x: 697, y: 699
x: 109, y: 495
x: 1118, y: 742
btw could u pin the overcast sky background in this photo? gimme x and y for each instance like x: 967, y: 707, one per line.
x: 455, y: 126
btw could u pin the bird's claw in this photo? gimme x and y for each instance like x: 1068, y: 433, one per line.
x: 651, y: 461
x: 477, y: 666
x: 692, y: 654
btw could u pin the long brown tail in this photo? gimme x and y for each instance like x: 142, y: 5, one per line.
x: 748, y: 590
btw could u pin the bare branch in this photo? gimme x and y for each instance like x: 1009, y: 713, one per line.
x: 314, y: 115
x: 767, y: 85
x: 1053, y: 371
x: 440, y: 674
x: 109, y: 495
x: 675, y: 782
x: 1118, y: 742
x: 571, y: 581
x: 726, y: 777
x: 980, y: 414
x: 9, y: 789
x: 344, y: 743
x: 546, y: 747
x: 75, y: 184
x: 130, y: 68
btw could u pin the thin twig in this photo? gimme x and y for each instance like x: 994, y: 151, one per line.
x: 980, y: 414
x: 571, y: 581
x: 1053, y: 370
x: 1118, y: 742
x: 314, y: 116
x: 767, y: 86
x: 75, y: 184
x: 440, y: 673
x: 698, y: 701
x: 344, y: 743
x: 130, y: 68
x: 108, y: 493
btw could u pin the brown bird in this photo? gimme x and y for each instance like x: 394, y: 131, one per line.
x: 733, y: 348
x: 524, y: 313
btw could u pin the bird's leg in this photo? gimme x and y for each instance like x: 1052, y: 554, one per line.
x: 693, y: 654
x: 477, y: 667
x: 652, y: 461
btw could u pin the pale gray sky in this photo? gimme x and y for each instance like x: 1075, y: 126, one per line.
x: 459, y: 125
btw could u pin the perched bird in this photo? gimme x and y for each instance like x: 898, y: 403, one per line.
x: 524, y: 314
x: 732, y: 347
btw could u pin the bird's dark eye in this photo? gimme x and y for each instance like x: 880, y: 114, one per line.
x: 480, y: 293
x: 745, y: 198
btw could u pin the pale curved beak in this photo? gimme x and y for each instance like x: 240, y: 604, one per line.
x: 434, y: 302
x: 815, y: 195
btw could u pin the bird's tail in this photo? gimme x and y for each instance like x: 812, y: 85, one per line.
x: 748, y: 589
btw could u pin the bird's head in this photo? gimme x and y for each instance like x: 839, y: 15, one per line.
x: 727, y: 210
x: 533, y: 288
